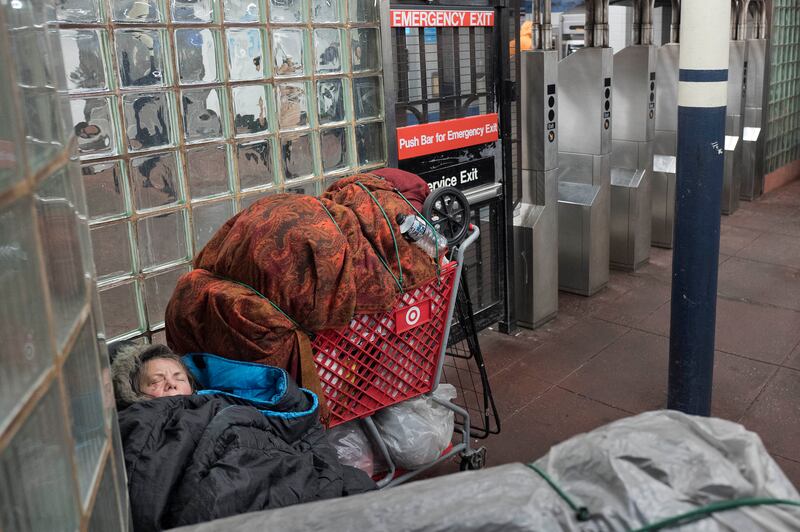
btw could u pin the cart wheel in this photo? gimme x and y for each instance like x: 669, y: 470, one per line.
x: 473, y: 461
x: 447, y: 209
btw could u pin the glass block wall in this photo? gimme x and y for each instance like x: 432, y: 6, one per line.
x: 187, y: 111
x: 783, y: 118
x: 60, y: 461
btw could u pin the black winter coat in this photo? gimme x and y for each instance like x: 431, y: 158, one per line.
x: 201, y: 457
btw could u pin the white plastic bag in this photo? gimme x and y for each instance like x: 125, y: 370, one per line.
x: 353, y: 446
x: 418, y: 430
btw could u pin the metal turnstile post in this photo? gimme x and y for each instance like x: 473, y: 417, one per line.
x: 753, y: 144
x: 734, y: 127
x: 665, y: 147
x: 632, y: 156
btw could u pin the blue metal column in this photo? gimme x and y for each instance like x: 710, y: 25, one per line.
x: 702, y: 98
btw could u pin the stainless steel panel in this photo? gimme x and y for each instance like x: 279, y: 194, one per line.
x: 536, y: 256
x: 625, y: 154
x: 630, y: 223
x: 663, y: 187
x: 752, y: 182
x: 731, y: 179
x: 634, y: 101
x: 736, y: 85
x: 576, y: 168
x: 582, y: 101
x: 583, y: 237
x: 667, y: 87
x: 756, y: 50
x: 539, y: 126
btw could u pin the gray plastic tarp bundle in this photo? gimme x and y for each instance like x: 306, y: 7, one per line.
x: 630, y: 473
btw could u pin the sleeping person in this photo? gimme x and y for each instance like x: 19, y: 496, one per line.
x: 205, y: 437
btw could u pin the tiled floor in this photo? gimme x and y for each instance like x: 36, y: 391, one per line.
x: 605, y: 357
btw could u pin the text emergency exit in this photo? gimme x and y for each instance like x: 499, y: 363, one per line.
x: 428, y: 18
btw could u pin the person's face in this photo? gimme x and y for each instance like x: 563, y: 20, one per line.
x: 162, y: 377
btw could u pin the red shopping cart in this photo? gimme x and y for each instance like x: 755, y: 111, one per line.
x: 382, y: 359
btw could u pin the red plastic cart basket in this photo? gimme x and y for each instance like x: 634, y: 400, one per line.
x: 382, y: 359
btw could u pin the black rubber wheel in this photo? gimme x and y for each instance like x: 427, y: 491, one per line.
x: 447, y: 209
x: 473, y: 461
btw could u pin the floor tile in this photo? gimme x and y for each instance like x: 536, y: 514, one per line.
x: 660, y: 265
x: 732, y: 238
x: 501, y: 350
x: 794, y: 359
x: 561, y: 356
x: 516, y: 386
x: 636, y: 305
x: 775, y: 249
x: 737, y: 383
x: 554, y: 417
x: 630, y: 374
x: 759, y: 282
x: 790, y: 468
x: 764, y: 333
x: 775, y: 415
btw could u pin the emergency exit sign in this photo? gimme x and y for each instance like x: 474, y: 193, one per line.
x: 439, y: 18
x: 436, y: 137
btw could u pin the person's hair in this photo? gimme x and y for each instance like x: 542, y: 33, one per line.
x: 158, y: 352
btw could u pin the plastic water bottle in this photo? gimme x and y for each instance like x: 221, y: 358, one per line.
x: 417, y: 230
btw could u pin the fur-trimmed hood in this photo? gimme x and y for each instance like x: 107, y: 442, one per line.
x: 126, y: 361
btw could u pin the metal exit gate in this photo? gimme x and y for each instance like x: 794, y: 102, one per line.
x: 452, y: 118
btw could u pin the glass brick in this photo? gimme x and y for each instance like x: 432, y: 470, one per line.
x: 241, y: 11
x: 367, y: 97
x: 78, y: 11
x: 287, y: 11
x: 308, y: 187
x: 287, y: 50
x: 202, y: 114
x: 366, y: 52
x: 121, y: 310
x: 326, y: 11
x: 330, y: 100
x: 112, y: 250
x: 256, y: 168
x: 140, y: 57
x: 137, y: 11
x: 328, y: 50
x: 251, y: 113
x: 106, y: 513
x: 292, y: 105
x: 192, y: 11
x: 364, y: 11
x: 148, y: 118
x: 45, y: 129
x: 84, y: 66
x: 208, y: 171
x: 85, y: 392
x: 370, y: 143
x: 197, y: 55
x: 10, y: 143
x: 23, y: 327
x: 120, y: 474
x: 106, y: 189
x: 157, y: 291
x: 36, y: 474
x: 159, y: 337
x: 245, y: 54
x: 335, y: 149
x: 60, y: 229
x: 93, y: 125
x: 162, y: 239
x: 33, y: 42
x: 155, y: 180
x: 207, y: 218
x: 250, y: 199
x: 297, y: 157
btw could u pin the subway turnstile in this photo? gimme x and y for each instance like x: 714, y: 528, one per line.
x: 585, y: 95
x: 665, y: 148
x: 734, y: 127
x: 753, y: 144
x: 536, y: 216
x: 632, y: 156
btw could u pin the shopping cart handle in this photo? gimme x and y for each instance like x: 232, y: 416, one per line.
x: 472, y: 236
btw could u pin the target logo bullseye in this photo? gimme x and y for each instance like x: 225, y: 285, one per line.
x: 412, y: 316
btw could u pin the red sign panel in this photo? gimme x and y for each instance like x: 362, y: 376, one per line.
x: 436, y: 137
x: 412, y: 316
x: 429, y: 18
